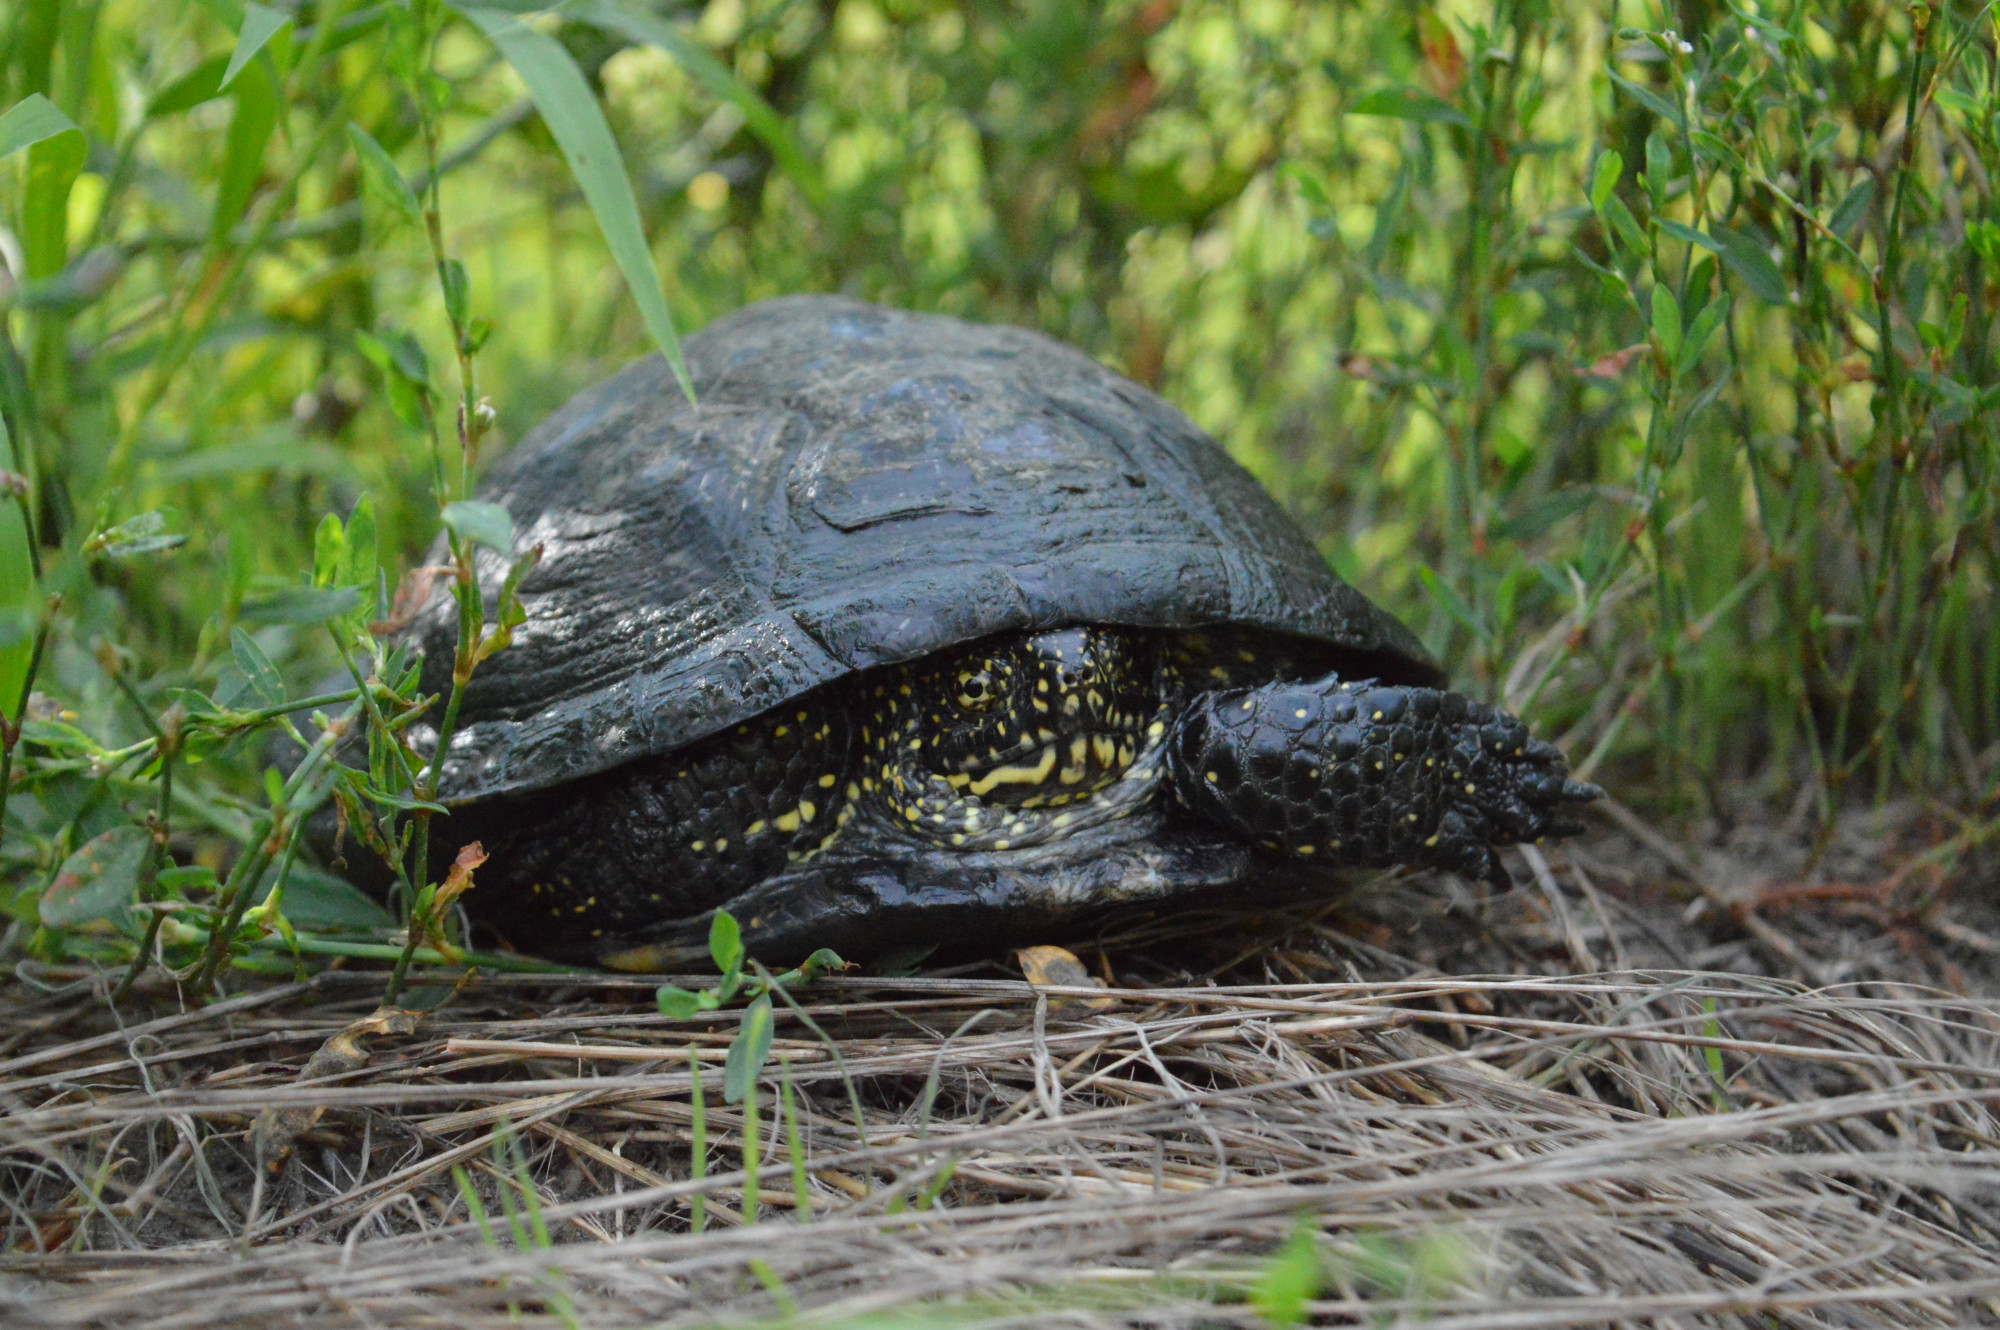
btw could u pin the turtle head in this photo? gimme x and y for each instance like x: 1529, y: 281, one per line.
x: 1035, y: 719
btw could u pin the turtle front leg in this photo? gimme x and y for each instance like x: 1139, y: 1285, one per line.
x: 1372, y: 774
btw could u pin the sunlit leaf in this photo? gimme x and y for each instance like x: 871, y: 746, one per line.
x: 574, y: 118
x: 32, y: 120
x: 243, y: 151
x: 487, y: 524
x: 725, y: 941
x: 259, y: 26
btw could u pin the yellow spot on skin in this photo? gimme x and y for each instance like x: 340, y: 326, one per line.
x: 802, y: 718
x: 721, y: 845
x: 1411, y: 818
x: 807, y: 810
x: 742, y: 729
x: 1432, y: 841
x: 903, y: 690
x: 781, y: 732
x: 788, y: 821
x: 1041, y: 685
x: 1079, y: 756
x: 1155, y: 730
x: 1378, y: 715
x: 1300, y: 713
x: 826, y: 781
x: 853, y: 790
x: 1072, y: 704
x: 1471, y: 789
x: 1106, y: 750
x: 1217, y: 672
x: 1064, y: 819
x: 1305, y: 849
x: 1246, y: 704
x: 758, y: 826
x: 699, y: 846
x: 1211, y: 778
x: 915, y: 744
x: 1248, y: 658
x: 1002, y: 844
x: 1017, y: 774
x: 957, y: 839
x: 1039, y: 705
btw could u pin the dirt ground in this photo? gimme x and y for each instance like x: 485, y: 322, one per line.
x: 1718, y: 1077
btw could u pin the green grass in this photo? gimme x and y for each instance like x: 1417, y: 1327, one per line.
x: 1650, y: 373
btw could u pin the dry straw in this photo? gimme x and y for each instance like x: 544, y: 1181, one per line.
x: 1650, y: 1146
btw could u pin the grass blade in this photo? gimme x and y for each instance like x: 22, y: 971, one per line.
x: 574, y: 118
x: 720, y: 83
x: 259, y: 26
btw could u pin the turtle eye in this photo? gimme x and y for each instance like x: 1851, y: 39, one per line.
x: 978, y: 690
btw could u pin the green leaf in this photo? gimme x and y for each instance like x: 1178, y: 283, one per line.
x: 319, y: 901
x: 677, y: 1004
x: 487, y: 524
x: 20, y: 601
x: 99, y: 880
x: 362, y: 557
x: 748, y: 1051
x: 144, y: 534
x: 380, y: 176
x: 574, y: 118
x: 243, y: 154
x: 302, y: 604
x: 1409, y: 104
x: 259, y: 26
x: 1451, y: 602
x: 719, y: 82
x: 1847, y: 216
x: 1713, y: 149
x: 329, y: 548
x: 1604, y: 179
x: 1291, y: 1278
x: 199, y: 85
x: 1753, y: 266
x: 262, y: 677
x: 1688, y: 235
x: 34, y: 119
x: 56, y: 153
x: 725, y: 941
x: 396, y: 352
x: 1625, y: 226
x: 1699, y: 333
x: 1649, y: 99
x: 1667, y: 321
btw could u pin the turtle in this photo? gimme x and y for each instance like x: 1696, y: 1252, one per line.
x: 906, y: 631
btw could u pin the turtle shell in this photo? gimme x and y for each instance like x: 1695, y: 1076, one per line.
x: 857, y: 486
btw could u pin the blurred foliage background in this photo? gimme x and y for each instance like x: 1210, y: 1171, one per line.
x: 1641, y: 355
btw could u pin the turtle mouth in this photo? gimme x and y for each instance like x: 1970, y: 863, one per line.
x: 1050, y: 773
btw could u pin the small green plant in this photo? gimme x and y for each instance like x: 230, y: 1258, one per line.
x: 752, y: 1046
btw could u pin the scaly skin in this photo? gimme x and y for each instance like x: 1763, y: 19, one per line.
x: 1358, y: 772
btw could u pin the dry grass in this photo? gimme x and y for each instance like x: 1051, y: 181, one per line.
x: 1615, y: 1132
